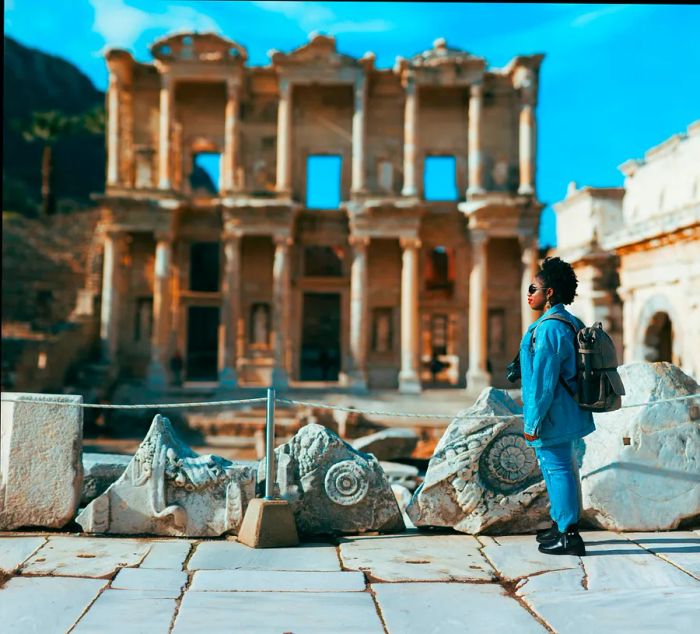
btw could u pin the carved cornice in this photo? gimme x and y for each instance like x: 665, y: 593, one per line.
x: 442, y: 65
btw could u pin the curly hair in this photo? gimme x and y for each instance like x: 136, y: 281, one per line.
x: 560, y: 277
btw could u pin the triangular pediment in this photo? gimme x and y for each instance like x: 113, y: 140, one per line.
x: 441, y: 54
x: 191, y: 46
x: 319, y: 51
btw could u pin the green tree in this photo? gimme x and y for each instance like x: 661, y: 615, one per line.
x: 48, y: 128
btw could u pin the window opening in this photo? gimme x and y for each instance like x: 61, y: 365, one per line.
x: 323, y: 182
x: 206, y: 173
x: 440, y: 178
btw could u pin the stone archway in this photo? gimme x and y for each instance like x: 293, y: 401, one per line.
x: 659, y: 333
x: 658, y: 339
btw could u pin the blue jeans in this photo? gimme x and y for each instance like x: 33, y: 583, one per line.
x: 560, y: 472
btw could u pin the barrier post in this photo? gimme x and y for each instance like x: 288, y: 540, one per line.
x: 269, y: 522
x: 270, y: 445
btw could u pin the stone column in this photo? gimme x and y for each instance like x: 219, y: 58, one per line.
x: 114, y: 244
x: 157, y: 375
x: 281, y: 291
x: 527, y: 146
x: 231, y: 137
x: 478, y: 376
x: 359, y: 119
x: 410, y: 137
x: 113, y: 131
x: 409, y: 381
x: 165, y: 118
x: 528, y: 257
x: 358, y: 314
x: 476, y: 172
x: 230, y: 311
x: 284, y: 138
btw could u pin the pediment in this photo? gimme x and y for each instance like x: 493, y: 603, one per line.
x: 320, y: 51
x: 441, y: 54
x: 197, y: 47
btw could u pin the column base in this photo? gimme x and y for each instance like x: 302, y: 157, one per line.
x: 526, y: 190
x: 279, y: 379
x: 477, y: 380
x: 409, y: 383
x: 357, y: 381
x: 228, y: 380
x: 409, y: 191
x: 157, y: 379
x: 475, y: 190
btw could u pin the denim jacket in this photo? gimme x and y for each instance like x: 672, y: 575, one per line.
x: 549, y: 411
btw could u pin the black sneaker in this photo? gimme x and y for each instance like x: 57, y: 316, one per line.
x: 547, y: 534
x: 569, y: 543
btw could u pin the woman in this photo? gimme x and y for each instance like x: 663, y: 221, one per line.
x: 553, y: 419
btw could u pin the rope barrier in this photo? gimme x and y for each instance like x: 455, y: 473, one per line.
x: 320, y: 406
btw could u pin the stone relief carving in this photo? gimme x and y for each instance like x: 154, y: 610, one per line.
x: 482, y: 477
x: 332, y: 487
x: 168, y: 489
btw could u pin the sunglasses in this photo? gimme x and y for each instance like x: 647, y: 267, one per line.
x: 532, y: 289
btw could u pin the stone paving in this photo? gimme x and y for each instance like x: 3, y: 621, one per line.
x: 415, y: 582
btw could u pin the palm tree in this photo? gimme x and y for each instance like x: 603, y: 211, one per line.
x: 47, y: 128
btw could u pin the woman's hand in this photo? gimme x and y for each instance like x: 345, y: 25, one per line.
x: 530, y: 437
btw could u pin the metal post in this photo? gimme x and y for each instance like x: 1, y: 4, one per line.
x: 270, y: 445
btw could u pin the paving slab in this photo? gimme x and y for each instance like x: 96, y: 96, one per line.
x: 445, y: 608
x: 170, y: 554
x: 621, y: 611
x: 568, y: 580
x: 14, y: 550
x: 46, y: 604
x: 230, y: 555
x: 168, y: 582
x: 277, y: 612
x: 132, y: 611
x: 415, y: 557
x: 612, y: 562
x: 681, y: 548
x: 515, y: 557
x: 276, y: 581
x: 85, y: 556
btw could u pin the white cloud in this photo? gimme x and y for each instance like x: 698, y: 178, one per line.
x: 314, y: 16
x: 587, y: 18
x: 121, y: 25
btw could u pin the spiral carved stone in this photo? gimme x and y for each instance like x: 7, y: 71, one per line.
x: 507, y: 463
x: 346, y: 483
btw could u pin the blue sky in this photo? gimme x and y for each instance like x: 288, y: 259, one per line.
x: 616, y: 80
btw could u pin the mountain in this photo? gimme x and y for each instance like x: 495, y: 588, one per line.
x: 34, y: 81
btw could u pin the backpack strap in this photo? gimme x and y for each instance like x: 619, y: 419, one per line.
x: 564, y: 384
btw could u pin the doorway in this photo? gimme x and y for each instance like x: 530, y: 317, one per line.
x: 202, y: 343
x: 320, y: 337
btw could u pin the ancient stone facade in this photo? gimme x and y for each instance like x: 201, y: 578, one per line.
x: 636, y: 251
x: 251, y: 284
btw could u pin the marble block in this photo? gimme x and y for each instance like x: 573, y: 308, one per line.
x: 41, y: 472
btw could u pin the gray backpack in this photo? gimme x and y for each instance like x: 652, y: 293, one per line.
x: 599, y: 385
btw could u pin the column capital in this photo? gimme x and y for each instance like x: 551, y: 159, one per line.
x: 163, y: 236
x: 358, y: 242
x: 282, y: 241
x: 166, y: 80
x: 285, y: 86
x: 476, y: 89
x: 233, y: 85
x: 408, y: 79
x: 232, y: 236
x: 410, y: 243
